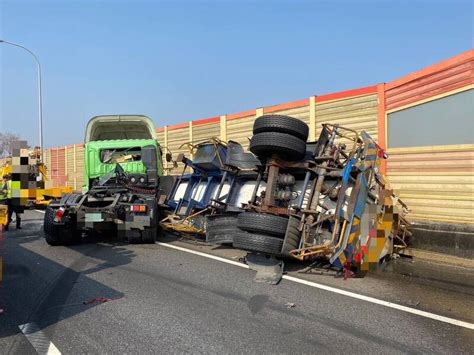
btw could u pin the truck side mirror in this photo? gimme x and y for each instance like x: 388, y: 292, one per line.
x: 151, y: 164
x: 169, y: 157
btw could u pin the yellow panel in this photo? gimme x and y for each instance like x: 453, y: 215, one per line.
x: 437, y: 183
x: 358, y: 113
x: 240, y: 130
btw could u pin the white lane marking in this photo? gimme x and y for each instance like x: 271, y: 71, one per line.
x: 38, y: 339
x: 382, y: 302
x: 43, y: 212
x: 399, y: 307
x: 209, y: 256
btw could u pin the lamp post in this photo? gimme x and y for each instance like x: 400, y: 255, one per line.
x: 40, y: 102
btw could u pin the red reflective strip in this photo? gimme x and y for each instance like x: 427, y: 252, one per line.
x: 59, y: 215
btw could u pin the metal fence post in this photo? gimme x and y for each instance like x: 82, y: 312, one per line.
x: 312, y: 118
x: 223, y: 127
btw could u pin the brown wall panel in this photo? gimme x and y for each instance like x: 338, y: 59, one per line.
x: 176, y: 139
x: 358, y: 113
x: 437, y: 183
x: 240, y: 130
x: 160, y: 136
x: 301, y: 113
x: 203, y: 132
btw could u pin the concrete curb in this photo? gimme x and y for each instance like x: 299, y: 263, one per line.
x: 439, y: 258
x: 445, y: 238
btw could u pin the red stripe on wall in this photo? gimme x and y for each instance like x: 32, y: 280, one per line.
x: 455, y: 61
x: 347, y: 93
x: 233, y: 116
x: 178, y: 126
x: 206, y: 121
x: 448, y: 78
x: 286, y: 106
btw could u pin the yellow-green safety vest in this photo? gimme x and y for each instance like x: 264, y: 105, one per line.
x: 9, y: 189
x: 4, y: 194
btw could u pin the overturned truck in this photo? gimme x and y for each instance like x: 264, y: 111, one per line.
x: 296, y: 199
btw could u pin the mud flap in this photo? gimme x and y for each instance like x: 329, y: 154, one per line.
x: 269, y: 269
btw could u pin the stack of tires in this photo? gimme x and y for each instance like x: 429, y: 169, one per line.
x: 274, y: 136
x: 281, y: 136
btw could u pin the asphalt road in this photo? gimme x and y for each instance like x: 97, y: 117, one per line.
x: 164, y: 300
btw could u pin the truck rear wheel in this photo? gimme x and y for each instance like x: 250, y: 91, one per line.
x: 148, y: 235
x: 58, y: 234
x: 51, y: 231
x: 70, y: 236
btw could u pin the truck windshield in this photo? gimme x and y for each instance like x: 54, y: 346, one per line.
x: 120, y: 155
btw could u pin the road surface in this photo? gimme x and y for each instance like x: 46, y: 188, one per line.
x: 111, y: 297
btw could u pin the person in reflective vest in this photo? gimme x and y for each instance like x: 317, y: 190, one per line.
x: 11, y: 206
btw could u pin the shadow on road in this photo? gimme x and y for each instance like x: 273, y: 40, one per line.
x: 45, y: 290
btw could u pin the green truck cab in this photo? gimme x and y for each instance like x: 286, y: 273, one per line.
x: 123, y: 166
x: 128, y: 140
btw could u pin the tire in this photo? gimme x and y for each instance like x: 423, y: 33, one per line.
x: 263, y: 223
x: 259, y: 243
x: 58, y: 234
x: 51, y: 231
x: 292, y: 237
x: 282, y: 124
x: 291, y: 242
x: 145, y: 236
x: 222, y: 236
x: 221, y: 229
x: 221, y: 220
x: 286, y: 146
x: 70, y: 236
x: 134, y: 236
x: 148, y: 235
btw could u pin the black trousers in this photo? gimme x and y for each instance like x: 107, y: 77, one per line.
x: 13, y: 208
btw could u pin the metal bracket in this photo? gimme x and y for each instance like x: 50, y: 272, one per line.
x: 268, y: 268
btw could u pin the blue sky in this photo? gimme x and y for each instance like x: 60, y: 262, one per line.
x: 183, y: 60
